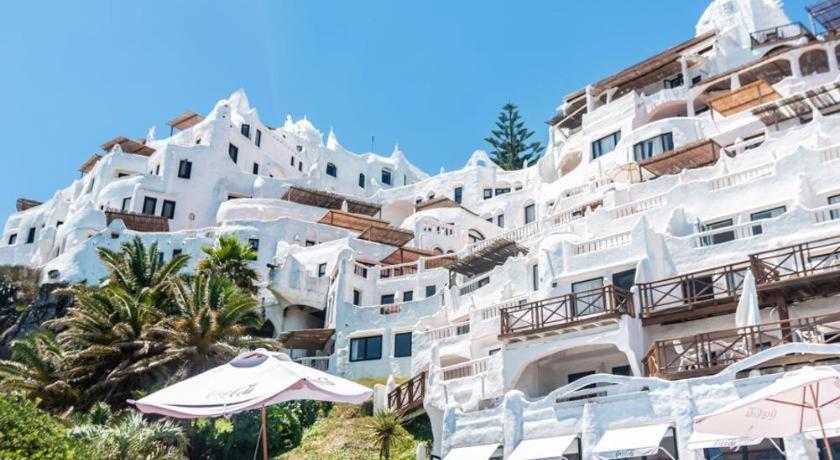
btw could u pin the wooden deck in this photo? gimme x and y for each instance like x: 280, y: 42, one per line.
x: 408, y: 396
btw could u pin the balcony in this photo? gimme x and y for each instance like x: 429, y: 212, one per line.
x: 707, y: 353
x: 779, y: 34
x: 705, y: 292
x: 801, y: 271
x: 408, y: 396
x: 566, y: 312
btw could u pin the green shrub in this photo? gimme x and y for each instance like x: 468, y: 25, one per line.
x: 28, y: 432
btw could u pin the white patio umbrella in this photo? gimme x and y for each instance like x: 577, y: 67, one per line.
x: 252, y: 380
x: 807, y: 400
x: 747, y: 313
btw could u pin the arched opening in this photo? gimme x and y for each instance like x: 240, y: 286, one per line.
x: 332, y: 170
x: 266, y: 331
x: 813, y: 61
x: 548, y: 373
x: 715, y: 89
x: 474, y: 236
x: 772, y: 72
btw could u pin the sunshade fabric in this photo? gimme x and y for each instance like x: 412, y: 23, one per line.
x: 709, y: 441
x: 635, y: 441
x: 534, y: 449
x: 479, y: 452
x: 251, y: 380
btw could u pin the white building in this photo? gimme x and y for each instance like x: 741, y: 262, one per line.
x: 591, y: 292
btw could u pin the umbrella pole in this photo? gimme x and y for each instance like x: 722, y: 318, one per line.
x: 265, y: 440
x: 822, y: 427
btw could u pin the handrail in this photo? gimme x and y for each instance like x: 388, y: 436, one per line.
x: 796, y: 261
x: 445, y: 332
x: 831, y: 153
x: 711, y: 285
x: 408, y: 395
x: 466, y: 369
x: 740, y: 177
x: 826, y: 213
x: 600, y: 244
x: 566, y: 310
x: 727, y: 234
x: 638, y: 206
x: 494, y: 310
x: 777, y: 34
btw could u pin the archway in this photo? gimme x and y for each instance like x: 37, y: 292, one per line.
x: 813, y: 61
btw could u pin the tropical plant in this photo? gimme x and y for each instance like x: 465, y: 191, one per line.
x: 511, y: 149
x: 386, y: 431
x: 39, y: 368
x: 131, y: 436
x: 232, y: 260
x: 28, y: 432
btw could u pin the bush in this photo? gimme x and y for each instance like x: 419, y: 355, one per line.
x: 28, y: 432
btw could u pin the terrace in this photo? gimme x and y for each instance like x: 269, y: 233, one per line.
x: 779, y: 34
x: 408, y: 396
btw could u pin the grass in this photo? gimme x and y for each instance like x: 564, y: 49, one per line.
x: 344, y: 435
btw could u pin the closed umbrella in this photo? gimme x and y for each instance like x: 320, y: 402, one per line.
x: 252, y: 380
x: 807, y: 400
x: 747, y: 313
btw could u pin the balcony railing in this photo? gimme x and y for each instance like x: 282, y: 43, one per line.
x: 600, y: 244
x: 706, y: 353
x: 740, y: 177
x: 566, y: 311
x: 639, y: 206
x: 321, y: 363
x: 726, y: 234
x: 409, y: 395
x: 445, y: 332
x: 804, y: 260
x: 465, y: 369
x: 826, y: 213
x: 714, y: 286
x: 778, y: 34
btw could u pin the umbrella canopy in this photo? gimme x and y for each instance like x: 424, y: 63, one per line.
x: 806, y: 400
x: 252, y: 380
x: 747, y: 313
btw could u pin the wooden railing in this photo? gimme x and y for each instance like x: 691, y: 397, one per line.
x: 465, y: 369
x: 704, y: 353
x: 798, y: 261
x: 409, y: 395
x: 778, y: 34
x: 566, y: 310
x: 715, y: 285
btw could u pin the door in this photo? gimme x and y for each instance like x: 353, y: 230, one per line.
x: 588, y: 303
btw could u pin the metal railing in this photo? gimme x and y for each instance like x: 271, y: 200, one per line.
x: 715, y: 285
x: 778, y: 34
x: 408, y: 395
x: 566, y: 310
x: 704, y: 353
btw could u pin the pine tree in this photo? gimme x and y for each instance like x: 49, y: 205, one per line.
x: 511, y: 149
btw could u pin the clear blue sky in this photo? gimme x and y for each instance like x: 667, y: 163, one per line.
x: 430, y: 75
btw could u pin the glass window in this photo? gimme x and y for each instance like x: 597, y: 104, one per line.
x: 623, y: 370
x: 502, y: 191
x: 625, y: 279
x: 322, y: 270
x: 293, y: 161
x: 588, y: 302
x: 386, y: 299
x: 309, y: 243
x: 233, y: 152
x: 835, y: 213
x: 357, y: 297
x: 168, y: 209
x: 362, y: 180
x: 649, y: 148
x: 483, y: 282
x: 402, y: 345
x: 366, y: 348
x: 30, y: 237
x: 459, y: 194
x: 258, y: 139
x: 149, y: 205
x: 500, y: 220
x: 245, y: 129
x: 185, y: 169
x: 126, y: 203
x: 12, y: 239
x: 431, y: 290
x: 177, y: 252
x: 535, y: 277
x: 717, y: 238
x: 488, y: 193
x: 766, y: 214
x: 254, y: 243
x: 332, y: 170
x: 408, y: 296
x: 530, y: 213
x: 605, y: 144
x: 674, y: 82
x: 300, y: 166
x: 256, y: 168
x: 386, y: 177
x: 474, y: 236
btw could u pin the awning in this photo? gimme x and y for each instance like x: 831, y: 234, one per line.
x: 636, y: 441
x: 480, y: 452
x: 709, y: 441
x: 552, y: 447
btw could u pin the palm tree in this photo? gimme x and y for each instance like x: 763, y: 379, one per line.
x: 386, y: 431
x: 131, y: 436
x: 39, y: 368
x: 210, y: 327
x: 232, y: 260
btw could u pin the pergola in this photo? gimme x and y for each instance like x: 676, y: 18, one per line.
x: 305, y: 339
x: 391, y: 236
x: 25, y: 203
x: 440, y: 202
x: 487, y: 258
x: 693, y: 155
x: 128, y: 146
x: 90, y: 163
x: 743, y: 98
x: 330, y: 200
x: 138, y: 222
x: 184, y: 121
x: 351, y: 221
x: 827, y: 13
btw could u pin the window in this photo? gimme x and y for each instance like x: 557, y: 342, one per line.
x: 408, y: 296
x: 500, y: 220
x: 12, y: 239
x: 605, y: 144
x: 535, y: 277
x: 625, y: 279
x: 573, y: 377
x: 483, y: 282
x: 386, y: 299
x: 256, y: 168
x: 835, y: 213
x: 332, y: 170
x: 149, y: 205
x: 717, y: 238
x: 168, y: 209
x: 357, y: 297
x: 300, y: 166
x: 233, y: 152
x: 386, y: 177
x: 293, y: 161
x: 488, y: 193
x: 30, y: 237
x: 431, y: 290
x: 245, y: 129
x: 696, y: 79
x: 502, y: 191
x: 361, y: 180
x: 622, y: 370
x: 299, y: 148
x: 322, y: 270
x: 93, y: 181
x: 530, y: 213
x: 254, y: 243
x: 258, y: 139
x: 160, y: 257
x: 157, y: 170
x: 366, y: 348
x: 177, y: 252
x: 402, y: 345
x: 474, y: 236
x: 649, y: 148
x: 309, y: 243
x: 185, y: 169
x: 126, y: 204
x: 588, y: 299
x: 459, y: 191
x: 766, y: 214
x: 59, y: 223
x: 674, y: 82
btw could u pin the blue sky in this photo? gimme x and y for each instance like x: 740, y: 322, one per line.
x: 430, y: 75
